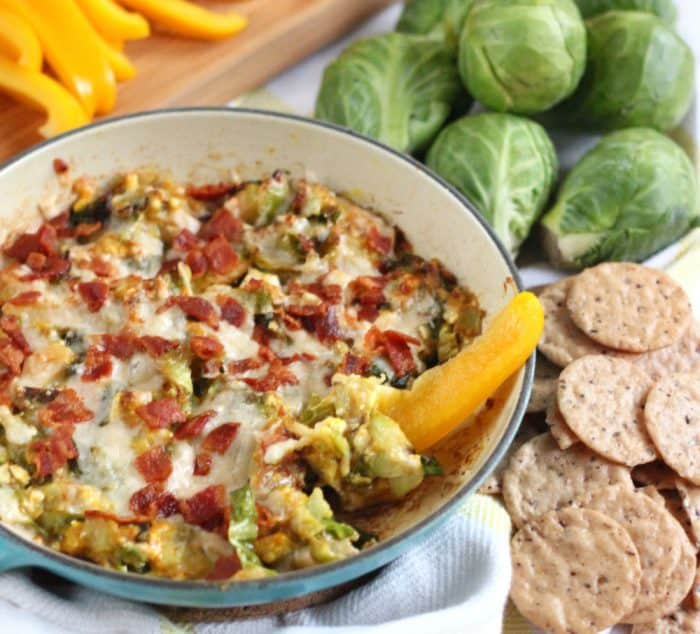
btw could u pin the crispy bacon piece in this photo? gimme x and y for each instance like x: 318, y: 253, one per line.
x: 66, y: 408
x: 156, y: 346
x: 98, y: 365
x: 9, y: 324
x: 211, y: 191
x: 208, y: 509
x: 52, y: 453
x: 202, y: 464
x: 61, y: 223
x: 277, y: 375
x: 206, y: 347
x: 219, y: 439
x: 152, y: 501
x: 221, y: 257
x: 86, y: 229
x: 368, y: 292
x: 261, y: 334
x: 27, y: 298
x: 44, y: 241
x: 119, y: 519
x: 197, y: 262
x: 231, y: 311
x: 193, y: 426
x: 101, y: 267
x: 123, y: 346
x: 11, y: 357
x: 393, y: 345
x: 196, y: 308
x: 244, y: 365
x: 154, y: 465
x: 186, y: 241
x: 293, y: 358
x: 94, y: 294
x: 378, y: 242
x: 60, y: 166
x: 331, y: 293
x: 224, y: 568
x: 161, y: 413
x: 224, y: 224
x: 306, y: 310
x: 6, y: 379
x: 354, y: 364
x: 325, y: 327
x: 52, y: 267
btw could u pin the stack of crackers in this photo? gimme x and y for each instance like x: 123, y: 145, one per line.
x: 606, y: 502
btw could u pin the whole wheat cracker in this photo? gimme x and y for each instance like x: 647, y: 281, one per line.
x: 629, y: 307
x: 574, y: 570
x: 602, y: 400
x: 684, y: 620
x: 672, y: 415
x: 541, y: 477
x: 658, y: 539
x: 681, y: 357
x: 562, y: 341
x: 690, y: 498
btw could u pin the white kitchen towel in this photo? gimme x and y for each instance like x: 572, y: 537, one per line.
x: 456, y: 581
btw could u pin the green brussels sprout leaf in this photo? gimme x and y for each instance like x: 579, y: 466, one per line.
x: 504, y: 164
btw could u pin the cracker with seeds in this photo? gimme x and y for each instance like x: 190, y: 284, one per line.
x: 574, y: 570
x: 629, y: 307
x: 658, y: 539
x: 602, y: 401
x: 681, y: 357
x: 681, y: 621
x: 560, y: 431
x: 672, y: 415
x: 562, y: 341
x: 541, y: 477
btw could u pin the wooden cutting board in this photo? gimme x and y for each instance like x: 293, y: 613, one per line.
x: 177, y: 72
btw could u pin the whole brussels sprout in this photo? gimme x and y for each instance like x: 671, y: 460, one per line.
x: 665, y: 9
x: 631, y: 195
x: 504, y: 164
x: 394, y: 87
x: 522, y: 56
x: 440, y: 19
x: 639, y: 73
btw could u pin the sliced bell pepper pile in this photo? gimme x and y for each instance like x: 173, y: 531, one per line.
x: 82, y: 42
x: 18, y: 41
x: 40, y: 92
x: 442, y: 398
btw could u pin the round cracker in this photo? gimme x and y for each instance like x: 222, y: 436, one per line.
x: 690, y: 498
x: 681, y: 357
x: 574, y: 570
x: 658, y: 539
x: 681, y: 621
x: 541, y: 477
x: 672, y: 415
x: 602, y: 401
x: 562, y: 341
x: 629, y: 307
x: 560, y: 431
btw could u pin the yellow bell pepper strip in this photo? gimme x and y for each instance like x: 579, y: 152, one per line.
x: 123, y: 69
x: 18, y: 41
x: 71, y: 47
x: 187, y: 19
x: 40, y: 92
x: 442, y: 398
x: 114, y: 22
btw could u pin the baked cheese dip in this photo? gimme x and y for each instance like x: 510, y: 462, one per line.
x: 190, y: 374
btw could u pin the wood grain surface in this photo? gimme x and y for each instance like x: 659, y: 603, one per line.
x: 174, y: 71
